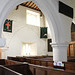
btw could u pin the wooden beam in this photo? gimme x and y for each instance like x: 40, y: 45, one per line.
x: 31, y: 4
x: 25, y: 3
x: 28, y: 3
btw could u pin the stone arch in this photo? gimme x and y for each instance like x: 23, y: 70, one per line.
x: 58, y: 29
x: 49, y: 11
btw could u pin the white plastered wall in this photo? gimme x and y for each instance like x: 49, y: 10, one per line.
x: 59, y: 24
x: 24, y: 33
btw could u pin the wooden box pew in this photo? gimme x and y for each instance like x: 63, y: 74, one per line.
x: 8, y: 62
x: 37, y: 62
x: 25, y: 58
x: 21, y: 59
x: 32, y: 61
x: 70, y: 66
x: 71, y: 59
x: 2, y: 61
x: 13, y: 58
x: 20, y: 68
x: 41, y: 62
x: 7, y: 71
x: 41, y: 70
x: 28, y: 60
x: 34, y: 57
x: 29, y: 57
x: 48, y: 63
x: 11, y: 62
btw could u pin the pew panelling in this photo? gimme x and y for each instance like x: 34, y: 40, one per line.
x: 10, y: 62
x: 70, y: 66
x: 37, y: 62
x: 32, y: 61
x: 7, y: 71
x: 2, y: 62
x: 49, y: 63
x: 43, y: 63
x: 41, y: 70
x: 20, y: 68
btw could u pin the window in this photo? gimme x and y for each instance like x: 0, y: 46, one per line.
x: 29, y: 49
x: 33, y: 18
x: 26, y: 49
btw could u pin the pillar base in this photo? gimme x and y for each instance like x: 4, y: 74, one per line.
x: 60, y: 51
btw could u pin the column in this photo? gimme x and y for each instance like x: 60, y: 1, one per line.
x: 60, y: 51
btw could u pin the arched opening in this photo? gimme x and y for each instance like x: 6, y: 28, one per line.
x: 71, y: 48
x: 43, y: 5
x: 50, y: 11
x: 16, y: 39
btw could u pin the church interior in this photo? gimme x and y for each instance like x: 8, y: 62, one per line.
x: 32, y: 46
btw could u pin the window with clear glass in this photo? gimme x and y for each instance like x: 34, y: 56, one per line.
x: 33, y: 18
x: 26, y: 49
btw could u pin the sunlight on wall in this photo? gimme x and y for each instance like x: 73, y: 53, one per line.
x: 49, y: 31
x: 29, y: 49
x: 33, y: 18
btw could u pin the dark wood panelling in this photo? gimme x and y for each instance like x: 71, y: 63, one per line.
x: 71, y: 49
x: 49, y: 46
